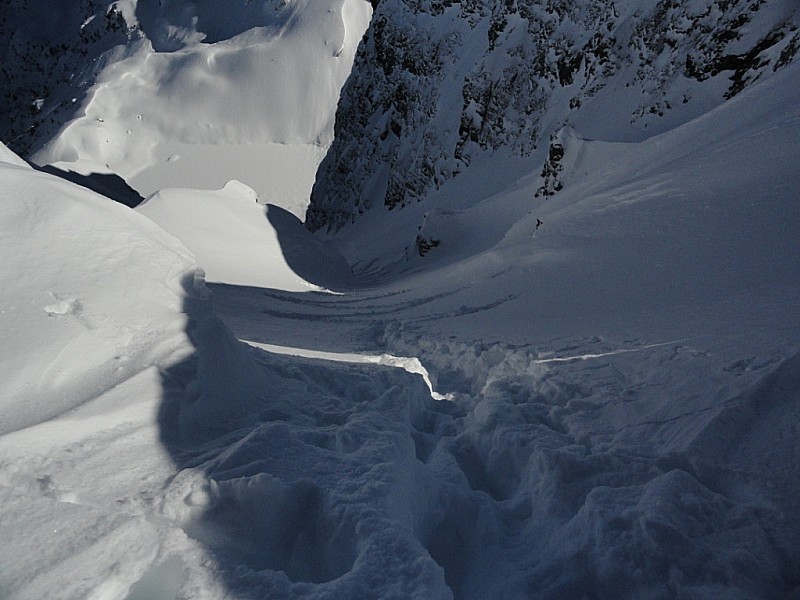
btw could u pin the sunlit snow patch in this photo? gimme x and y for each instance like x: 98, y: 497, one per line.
x: 200, y: 86
x: 409, y: 364
x: 229, y: 233
x: 92, y: 294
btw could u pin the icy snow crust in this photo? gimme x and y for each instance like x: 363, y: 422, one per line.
x: 606, y: 406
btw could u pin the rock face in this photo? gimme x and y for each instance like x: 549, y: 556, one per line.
x: 436, y: 83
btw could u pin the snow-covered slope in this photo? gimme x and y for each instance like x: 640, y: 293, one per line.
x: 239, y: 241
x: 598, y: 396
x: 50, y: 53
x: 92, y: 294
x: 104, y: 316
x: 625, y: 376
x: 175, y: 94
x: 438, y: 84
x: 119, y: 385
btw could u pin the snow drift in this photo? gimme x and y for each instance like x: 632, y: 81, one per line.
x: 92, y: 295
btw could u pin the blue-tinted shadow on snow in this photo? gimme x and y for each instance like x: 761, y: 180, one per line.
x: 307, y: 479
x: 109, y: 185
x: 285, y: 467
x: 312, y: 259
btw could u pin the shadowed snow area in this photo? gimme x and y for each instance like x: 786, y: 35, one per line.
x: 201, y: 399
x: 227, y: 230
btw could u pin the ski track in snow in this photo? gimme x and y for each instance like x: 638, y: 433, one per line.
x: 544, y: 361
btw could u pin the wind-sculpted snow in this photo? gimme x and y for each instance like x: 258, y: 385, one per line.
x: 584, y: 466
x: 228, y: 231
x: 437, y: 84
x: 409, y: 364
x: 141, y: 88
x: 618, y: 363
x: 85, y: 282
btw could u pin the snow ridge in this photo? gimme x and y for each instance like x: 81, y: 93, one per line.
x: 154, y: 91
x: 410, y: 365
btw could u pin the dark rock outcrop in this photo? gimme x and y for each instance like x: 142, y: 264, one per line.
x: 437, y: 83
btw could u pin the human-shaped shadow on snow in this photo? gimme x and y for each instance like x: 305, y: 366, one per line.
x: 261, y: 445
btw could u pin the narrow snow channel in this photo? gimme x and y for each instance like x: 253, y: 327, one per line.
x: 409, y: 364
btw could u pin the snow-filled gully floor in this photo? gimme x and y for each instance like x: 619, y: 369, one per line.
x: 587, y: 469
x: 606, y: 409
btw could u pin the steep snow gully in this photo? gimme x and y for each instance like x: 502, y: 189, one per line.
x: 604, y: 406
x: 547, y: 474
x: 638, y: 442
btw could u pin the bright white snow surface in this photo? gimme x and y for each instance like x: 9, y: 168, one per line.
x: 209, y: 94
x: 623, y: 384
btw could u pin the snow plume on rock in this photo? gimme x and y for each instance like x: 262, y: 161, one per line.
x: 562, y: 154
x: 438, y: 83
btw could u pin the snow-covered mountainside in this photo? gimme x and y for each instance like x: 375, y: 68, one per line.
x: 439, y: 83
x: 498, y: 392
x: 50, y: 54
x: 179, y: 94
